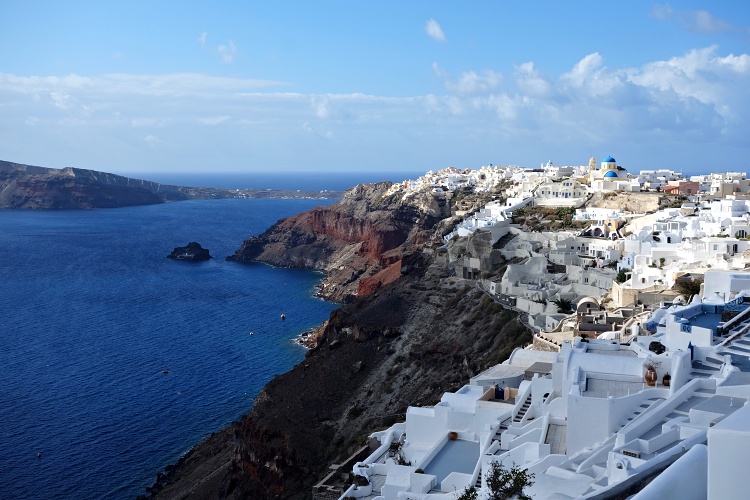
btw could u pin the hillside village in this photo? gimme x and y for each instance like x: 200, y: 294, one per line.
x: 635, y: 289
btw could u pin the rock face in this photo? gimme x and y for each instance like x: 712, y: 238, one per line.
x: 359, y: 242
x: 192, y: 252
x: 23, y: 186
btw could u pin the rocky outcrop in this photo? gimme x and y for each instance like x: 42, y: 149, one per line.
x: 192, y: 252
x: 28, y: 186
x: 352, y: 241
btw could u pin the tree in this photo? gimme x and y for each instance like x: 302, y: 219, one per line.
x: 503, y: 484
x: 688, y: 287
x: 563, y: 305
x: 469, y: 493
x: 622, y: 275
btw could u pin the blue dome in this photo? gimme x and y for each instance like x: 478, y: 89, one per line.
x: 609, y: 159
x: 610, y: 173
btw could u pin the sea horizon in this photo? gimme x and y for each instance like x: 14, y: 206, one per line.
x: 324, y: 180
x: 307, y: 181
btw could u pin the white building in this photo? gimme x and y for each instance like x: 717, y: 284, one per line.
x: 590, y: 421
x: 560, y: 193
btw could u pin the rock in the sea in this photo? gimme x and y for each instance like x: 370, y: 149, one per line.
x: 193, y: 252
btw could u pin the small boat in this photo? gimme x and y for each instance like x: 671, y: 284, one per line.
x: 165, y: 371
x: 251, y: 332
x: 283, y: 316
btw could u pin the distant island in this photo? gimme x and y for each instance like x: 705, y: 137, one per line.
x: 33, y: 187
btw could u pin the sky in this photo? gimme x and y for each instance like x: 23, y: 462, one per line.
x: 373, y: 86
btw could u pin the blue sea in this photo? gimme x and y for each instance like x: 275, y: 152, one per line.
x: 93, y: 315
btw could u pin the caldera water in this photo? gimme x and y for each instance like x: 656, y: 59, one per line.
x: 114, y: 360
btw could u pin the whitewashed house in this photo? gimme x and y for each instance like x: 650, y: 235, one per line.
x: 566, y: 192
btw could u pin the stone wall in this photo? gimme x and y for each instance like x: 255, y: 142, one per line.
x: 339, y: 479
x: 542, y: 344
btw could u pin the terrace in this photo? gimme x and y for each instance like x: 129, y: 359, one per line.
x: 455, y: 456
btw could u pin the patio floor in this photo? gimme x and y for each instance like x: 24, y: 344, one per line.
x: 455, y: 456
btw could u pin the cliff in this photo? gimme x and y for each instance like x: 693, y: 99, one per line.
x: 421, y: 333
x: 359, y: 242
x: 32, y: 187
x: 414, y: 339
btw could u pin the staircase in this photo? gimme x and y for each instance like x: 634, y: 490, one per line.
x: 643, y: 407
x: 524, y: 408
x: 704, y: 369
x: 500, y: 429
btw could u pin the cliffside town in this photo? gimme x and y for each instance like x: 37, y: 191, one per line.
x: 419, y: 383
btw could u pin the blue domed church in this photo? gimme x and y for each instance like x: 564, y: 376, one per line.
x: 609, y: 177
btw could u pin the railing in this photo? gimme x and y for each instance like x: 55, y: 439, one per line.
x: 635, y: 428
x: 520, y: 400
x: 738, y: 333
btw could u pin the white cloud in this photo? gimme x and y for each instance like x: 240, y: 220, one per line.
x: 590, y: 76
x: 202, y: 39
x: 531, y: 83
x: 170, y: 84
x: 62, y: 100
x: 147, y: 122
x: 434, y: 31
x: 584, y: 69
x: 662, y: 12
x: 228, y: 52
x: 701, y: 75
x: 701, y: 97
x: 700, y: 22
x: 320, y: 105
x: 471, y: 82
x: 703, y: 22
x: 66, y: 102
x: 214, y: 120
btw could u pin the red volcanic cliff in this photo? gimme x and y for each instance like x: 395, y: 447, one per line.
x: 354, y: 241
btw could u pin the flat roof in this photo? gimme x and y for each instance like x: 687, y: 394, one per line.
x: 539, y: 367
x: 500, y: 371
x: 720, y: 404
x: 737, y: 421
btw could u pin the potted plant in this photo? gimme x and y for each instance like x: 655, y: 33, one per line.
x: 361, y: 480
x: 453, y: 435
x: 667, y: 379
